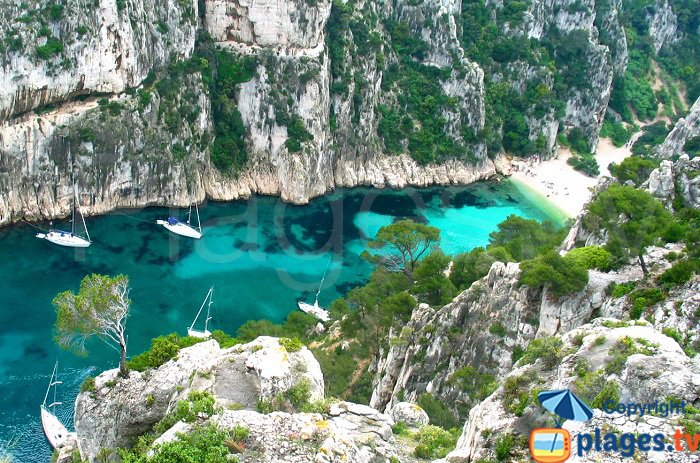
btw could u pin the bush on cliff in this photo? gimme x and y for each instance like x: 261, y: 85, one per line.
x: 562, y: 276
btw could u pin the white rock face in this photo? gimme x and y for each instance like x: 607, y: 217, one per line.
x: 664, y: 370
x: 125, y: 160
x: 115, y: 50
x: 288, y: 24
x: 409, y: 413
x: 685, y: 129
x: 662, y: 24
x: 121, y: 409
x: 676, y: 179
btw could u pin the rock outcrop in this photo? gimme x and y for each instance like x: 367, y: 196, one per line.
x: 685, y: 129
x: 680, y: 179
x: 239, y: 379
x: 482, y: 327
x: 120, y: 410
x: 652, y: 366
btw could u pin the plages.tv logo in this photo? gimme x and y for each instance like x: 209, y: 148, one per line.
x: 553, y: 445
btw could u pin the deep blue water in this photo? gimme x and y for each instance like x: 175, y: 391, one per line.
x: 261, y: 255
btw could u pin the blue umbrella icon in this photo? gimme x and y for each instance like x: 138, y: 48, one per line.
x: 566, y: 405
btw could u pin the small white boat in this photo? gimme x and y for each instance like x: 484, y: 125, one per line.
x: 206, y: 333
x: 56, y: 433
x: 174, y: 225
x: 68, y: 238
x: 315, y: 310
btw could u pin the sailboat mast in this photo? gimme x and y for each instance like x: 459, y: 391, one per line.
x: 199, y: 224
x: 189, y: 215
x: 211, y: 301
x: 48, y: 389
x: 323, y: 278
x: 202, y: 308
x: 75, y: 197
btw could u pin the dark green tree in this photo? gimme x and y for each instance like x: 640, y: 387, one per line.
x: 400, y: 245
x: 633, y: 219
x: 431, y: 282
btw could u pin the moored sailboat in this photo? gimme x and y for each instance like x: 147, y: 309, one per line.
x: 69, y: 238
x: 191, y: 331
x: 316, y: 310
x: 178, y: 227
x: 56, y: 433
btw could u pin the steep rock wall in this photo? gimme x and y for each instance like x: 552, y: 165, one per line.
x: 104, y: 48
x: 685, y: 129
x: 120, y: 154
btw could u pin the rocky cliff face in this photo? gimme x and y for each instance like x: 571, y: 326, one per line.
x: 238, y: 378
x: 656, y: 367
x: 676, y: 180
x: 122, y: 153
x: 482, y: 328
x: 685, y: 129
x: 349, y: 94
x: 58, y: 50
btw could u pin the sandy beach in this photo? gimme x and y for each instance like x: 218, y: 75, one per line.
x: 566, y: 188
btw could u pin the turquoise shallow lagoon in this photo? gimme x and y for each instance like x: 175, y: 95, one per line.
x: 261, y: 256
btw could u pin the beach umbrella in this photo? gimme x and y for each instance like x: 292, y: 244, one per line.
x: 565, y: 404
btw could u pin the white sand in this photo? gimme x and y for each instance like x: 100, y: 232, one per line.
x: 566, y: 188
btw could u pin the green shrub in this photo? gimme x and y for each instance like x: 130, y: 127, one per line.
x: 591, y: 257
x: 673, y: 334
x: 51, y: 48
x: 88, y: 384
x: 621, y: 289
x: 680, y: 272
x: 634, y: 168
x: 525, y: 238
x: 563, y: 276
x: 503, y: 447
x: 643, y: 299
x: 437, y: 411
x: 476, y: 384
x: 497, y: 329
x: 198, y: 403
x: 163, y: 348
x: 470, y: 267
x: 225, y: 341
x: 585, y: 163
x: 297, y: 135
x: 621, y: 351
x: 203, y: 444
x: 548, y: 349
x: 516, y: 392
x: 435, y: 442
x: 291, y: 345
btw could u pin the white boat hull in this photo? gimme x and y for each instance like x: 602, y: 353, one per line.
x: 56, y: 433
x: 206, y: 334
x: 315, y: 310
x: 66, y: 239
x: 181, y: 229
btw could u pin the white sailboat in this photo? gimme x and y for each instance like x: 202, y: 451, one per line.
x: 206, y: 333
x: 69, y: 239
x: 174, y: 225
x: 56, y: 432
x: 315, y: 310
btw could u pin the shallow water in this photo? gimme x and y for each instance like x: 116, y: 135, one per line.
x: 261, y: 256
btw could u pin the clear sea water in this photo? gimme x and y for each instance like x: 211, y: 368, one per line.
x: 261, y: 255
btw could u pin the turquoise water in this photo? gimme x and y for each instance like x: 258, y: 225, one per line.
x: 261, y: 256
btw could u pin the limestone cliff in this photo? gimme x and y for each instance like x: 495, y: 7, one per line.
x: 239, y: 378
x: 55, y: 51
x: 652, y: 366
x: 482, y: 327
x: 685, y: 129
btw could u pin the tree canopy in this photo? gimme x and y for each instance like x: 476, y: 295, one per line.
x: 98, y: 309
x: 633, y: 219
x: 401, y: 244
